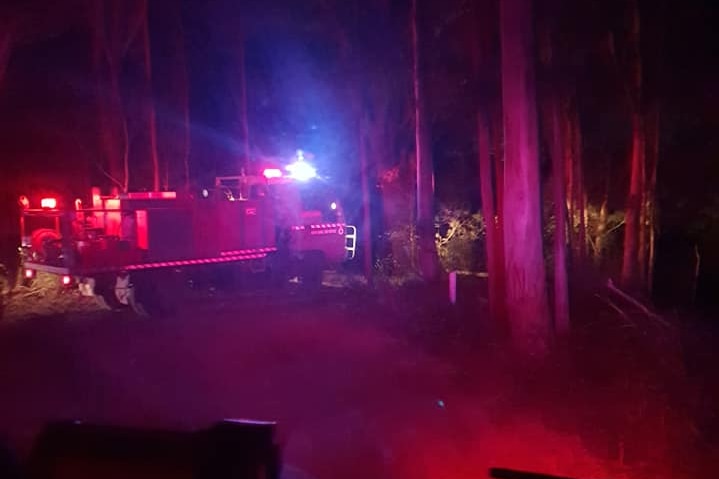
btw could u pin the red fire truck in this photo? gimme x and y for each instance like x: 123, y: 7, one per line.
x: 129, y: 249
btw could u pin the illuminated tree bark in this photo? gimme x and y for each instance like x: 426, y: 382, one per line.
x: 631, y: 268
x: 575, y: 195
x: 630, y: 260
x: 561, y: 284
x: 580, y: 196
x: 554, y: 92
x: 601, y: 232
x: 489, y: 138
x: 428, y: 262
x: 526, y: 284
x: 570, y: 179
x: 650, y: 194
x: 497, y: 138
x: 495, y: 261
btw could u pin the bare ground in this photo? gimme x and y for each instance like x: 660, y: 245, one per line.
x: 366, y: 385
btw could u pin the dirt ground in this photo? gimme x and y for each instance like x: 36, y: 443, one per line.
x: 375, y: 385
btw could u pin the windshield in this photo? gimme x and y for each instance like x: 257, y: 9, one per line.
x: 308, y: 200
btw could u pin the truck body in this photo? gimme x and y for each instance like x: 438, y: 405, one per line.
x: 250, y: 220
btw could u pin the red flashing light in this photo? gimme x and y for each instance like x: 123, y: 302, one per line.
x: 24, y: 202
x: 66, y: 280
x: 49, y: 203
x: 272, y: 173
x: 96, y: 198
x: 29, y: 274
x: 143, y: 241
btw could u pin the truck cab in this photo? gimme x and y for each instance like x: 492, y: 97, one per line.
x: 309, y: 221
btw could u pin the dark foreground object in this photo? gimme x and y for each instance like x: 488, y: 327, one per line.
x: 230, y: 449
x: 498, y: 473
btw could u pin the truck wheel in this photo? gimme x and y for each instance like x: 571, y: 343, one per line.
x: 106, y: 293
x: 156, y: 293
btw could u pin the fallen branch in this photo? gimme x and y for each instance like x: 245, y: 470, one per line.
x: 478, y: 274
x: 616, y: 308
x: 614, y: 228
x: 636, y: 303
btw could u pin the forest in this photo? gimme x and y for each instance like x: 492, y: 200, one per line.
x: 564, y: 152
x: 410, y: 106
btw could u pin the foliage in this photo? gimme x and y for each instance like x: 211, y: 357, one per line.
x: 399, y: 267
x: 45, y: 296
x: 602, y: 229
x: 603, y: 233
x: 459, y: 239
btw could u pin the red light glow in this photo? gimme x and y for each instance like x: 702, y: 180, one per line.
x: 66, y: 280
x: 272, y: 173
x: 143, y: 241
x: 24, y: 202
x: 29, y: 273
x: 49, y: 203
x: 96, y: 198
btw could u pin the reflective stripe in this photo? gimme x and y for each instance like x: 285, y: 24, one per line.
x: 320, y: 226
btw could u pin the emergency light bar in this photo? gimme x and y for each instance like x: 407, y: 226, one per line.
x: 302, y: 171
x: 49, y: 203
x: 270, y: 173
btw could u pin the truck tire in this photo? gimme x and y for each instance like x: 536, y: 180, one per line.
x: 106, y: 294
x: 155, y: 293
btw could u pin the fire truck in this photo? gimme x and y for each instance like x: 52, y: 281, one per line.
x: 133, y: 249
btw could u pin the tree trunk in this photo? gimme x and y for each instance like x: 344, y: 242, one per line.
x: 244, y: 119
x: 497, y: 137
x: 561, y: 285
x: 630, y: 265
x: 570, y: 173
x: 428, y: 261
x: 366, y: 231
x: 111, y: 123
x: 150, y: 101
x: 494, y: 265
x: 580, y: 200
x: 526, y: 283
x: 650, y: 192
x: 601, y: 232
x: 6, y: 39
x: 489, y: 138
x: 631, y: 269
x: 498, y: 147
x: 184, y: 98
